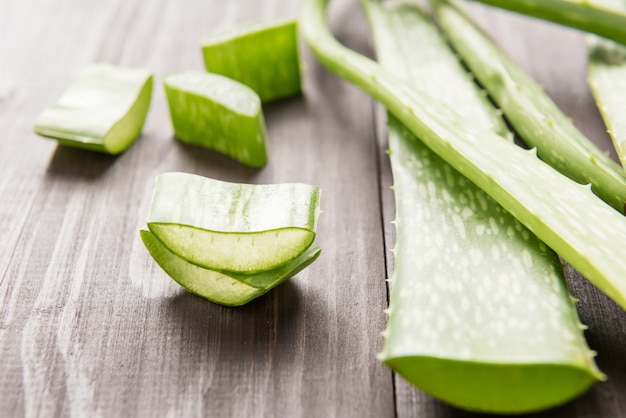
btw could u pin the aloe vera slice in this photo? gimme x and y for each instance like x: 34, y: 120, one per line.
x: 535, y: 117
x: 606, y: 71
x: 230, y: 289
x: 586, y: 15
x: 104, y: 110
x: 476, y: 298
x: 218, y: 113
x: 263, y: 55
x: 233, y: 227
x: 567, y: 216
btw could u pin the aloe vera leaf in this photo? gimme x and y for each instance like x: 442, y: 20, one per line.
x: 233, y: 227
x: 606, y: 71
x: 533, y: 115
x: 263, y: 55
x: 477, y: 300
x: 470, y: 260
x: 225, y: 289
x: 432, y: 67
x: 104, y: 110
x: 218, y: 113
x: 565, y: 215
x: 586, y: 15
x: 607, y: 79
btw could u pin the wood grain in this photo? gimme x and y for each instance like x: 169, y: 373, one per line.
x: 90, y: 326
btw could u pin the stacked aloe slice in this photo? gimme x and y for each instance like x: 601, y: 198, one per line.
x: 230, y: 242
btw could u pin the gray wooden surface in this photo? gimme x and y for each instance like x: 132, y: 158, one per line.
x: 91, y: 327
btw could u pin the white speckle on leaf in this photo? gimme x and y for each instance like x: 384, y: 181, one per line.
x: 528, y: 260
x: 459, y: 225
x: 477, y: 256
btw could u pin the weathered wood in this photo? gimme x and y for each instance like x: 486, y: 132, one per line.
x: 89, y: 325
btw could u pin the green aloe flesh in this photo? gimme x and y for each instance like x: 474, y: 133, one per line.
x: 104, y: 110
x: 217, y: 113
x: 262, y: 55
x: 565, y: 215
x: 476, y: 298
x: 229, y: 289
x: 586, y: 15
x: 233, y: 227
x: 607, y: 77
x: 533, y: 115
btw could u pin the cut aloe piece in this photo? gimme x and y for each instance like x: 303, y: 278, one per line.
x: 218, y: 113
x: 607, y: 79
x: 228, y: 289
x: 262, y: 55
x: 477, y: 299
x: 104, y: 110
x: 531, y: 112
x: 224, y: 226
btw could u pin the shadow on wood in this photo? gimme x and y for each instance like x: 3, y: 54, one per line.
x: 206, y: 162
x: 78, y: 163
x: 257, y: 321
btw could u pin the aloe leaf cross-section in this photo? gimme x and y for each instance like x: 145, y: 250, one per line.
x: 262, y: 55
x: 217, y: 113
x: 229, y: 289
x: 233, y: 227
x: 104, y: 110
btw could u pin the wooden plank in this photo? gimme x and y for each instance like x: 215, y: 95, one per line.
x: 89, y: 325
x: 555, y: 56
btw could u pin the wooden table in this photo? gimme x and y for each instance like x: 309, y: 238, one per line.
x: 91, y: 327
